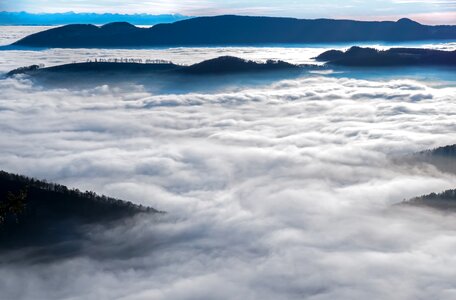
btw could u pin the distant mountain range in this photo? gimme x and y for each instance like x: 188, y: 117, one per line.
x: 369, y: 57
x: 236, y: 30
x: 24, y: 18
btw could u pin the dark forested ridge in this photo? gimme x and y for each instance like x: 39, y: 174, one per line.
x: 445, y: 201
x: 445, y: 151
x: 369, y: 57
x: 230, y: 64
x: 37, y: 212
x: 98, y: 67
x: 443, y: 158
x: 236, y: 30
x: 221, y: 65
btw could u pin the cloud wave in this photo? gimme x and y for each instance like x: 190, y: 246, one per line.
x: 280, y: 191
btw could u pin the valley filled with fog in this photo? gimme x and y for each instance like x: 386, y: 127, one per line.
x: 282, y: 189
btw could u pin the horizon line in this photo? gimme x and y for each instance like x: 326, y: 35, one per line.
x: 418, y: 18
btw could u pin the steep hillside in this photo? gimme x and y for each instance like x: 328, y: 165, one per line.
x: 38, y: 213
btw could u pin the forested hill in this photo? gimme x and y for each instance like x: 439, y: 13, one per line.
x: 445, y: 151
x: 37, y: 212
x: 223, y: 65
x: 235, y: 30
x: 445, y: 201
x: 369, y: 57
x: 443, y: 158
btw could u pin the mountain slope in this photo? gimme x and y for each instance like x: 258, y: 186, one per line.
x: 230, y: 64
x: 37, y: 213
x: 232, y: 30
x: 444, y: 201
x: 443, y: 158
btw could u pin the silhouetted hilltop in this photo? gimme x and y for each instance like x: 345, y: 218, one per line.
x: 445, y: 201
x: 35, y: 212
x: 119, y: 26
x: 230, y: 64
x: 23, y: 70
x: 221, y: 65
x: 445, y: 151
x: 235, y: 30
x: 368, y: 57
x: 99, y: 67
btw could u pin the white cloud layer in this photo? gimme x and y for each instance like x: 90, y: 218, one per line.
x: 273, y: 192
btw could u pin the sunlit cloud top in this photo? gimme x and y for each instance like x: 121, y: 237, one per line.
x: 426, y: 11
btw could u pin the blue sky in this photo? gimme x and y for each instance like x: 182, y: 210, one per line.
x: 426, y: 11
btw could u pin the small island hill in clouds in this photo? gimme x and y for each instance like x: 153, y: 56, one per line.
x: 228, y: 65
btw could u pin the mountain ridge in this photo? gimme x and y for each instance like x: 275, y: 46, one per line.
x: 38, y: 213
x: 217, y: 66
x: 370, y: 57
x: 237, y: 30
x: 444, y: 201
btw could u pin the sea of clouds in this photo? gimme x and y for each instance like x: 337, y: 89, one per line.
x: 274, y: 191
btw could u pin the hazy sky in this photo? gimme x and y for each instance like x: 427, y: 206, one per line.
x: 426, y: 11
